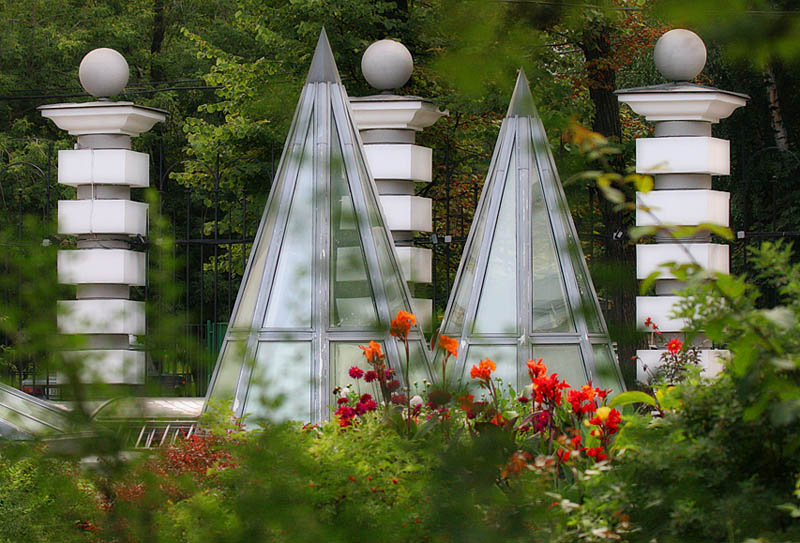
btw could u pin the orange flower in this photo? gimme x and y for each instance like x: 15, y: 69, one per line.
x: 372, y: 352
x: 536, y: 368
x: 402, y: 324
x: 449, y: 344
x: 483, y: 370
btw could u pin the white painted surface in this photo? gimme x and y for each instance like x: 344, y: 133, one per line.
x: 394, y: 112
x: 84, y: 118
x: 103, y: 166
x: 690, y: 154
x: 711, y: 256
x: 101, y: 317
x: 407, y: 213
x: 112, y: 367
x: 102, y: 266
x: 415, y: 263
x: 650, y: 360
x: 682, y: 207
x: 399, y: 161
x: 659, y: 309
x: 102, y: 217
x: 683, y: 103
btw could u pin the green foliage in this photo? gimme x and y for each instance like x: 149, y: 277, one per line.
x: 43, y: 499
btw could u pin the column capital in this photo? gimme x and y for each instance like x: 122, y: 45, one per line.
x: 682, y: 102
x: 103, y: 117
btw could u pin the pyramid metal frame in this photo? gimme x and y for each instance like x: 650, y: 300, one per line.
x: 523, y: 137
x: 323, y: 111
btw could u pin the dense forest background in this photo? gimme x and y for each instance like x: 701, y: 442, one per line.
x: 230, y: 72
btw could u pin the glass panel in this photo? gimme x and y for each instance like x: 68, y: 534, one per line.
x: 343, y: 357
x: 589, y: 307
x: 550, y: 307
x: 244, y: 313
x: 463, y: 288
x: 497, y: 307
x: 505, y: 356
x: 290, y: 293
x: 606, y: 375
x: 280, y: 387
x: 418, y: 368
x: 30, y: 414
x: 229, y: 367
x: 352, y: 300
x: 390, y: 272
x: 565, y: 360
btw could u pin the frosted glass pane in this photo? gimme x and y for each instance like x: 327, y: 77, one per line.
x: 280, y: 386
x: 343, y: 357
x: 550, y: 308
x: 463, y: 288
x: 565, y: 360
x: 352, y: 300
x: 606, y: 375
x: 505, y: 356
x: 244, y: 313
x: 230, y: 365
x: 497, y: 306
x: 290, y: 294
x: 588, y: 308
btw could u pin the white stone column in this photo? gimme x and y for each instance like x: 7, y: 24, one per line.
x: 388, y: 124
x: 103, y: 218
x: 682, y: 158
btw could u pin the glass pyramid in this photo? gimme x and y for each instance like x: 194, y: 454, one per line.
x: 523, y: 290
x: 322, y: 276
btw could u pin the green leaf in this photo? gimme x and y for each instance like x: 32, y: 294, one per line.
x: 633, y: 396
x: 648, y: 282
x: 719, y: 230
x: 638, y: 232
x: 643, y: 183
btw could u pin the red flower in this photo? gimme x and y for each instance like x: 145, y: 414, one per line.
x: 399, y: 399
x: 356, y: 372
x: 449, y: 344
x: 483, y: 370
x: 596, y: 453
x: 563, y: 455
x: 548, y: 389
x: 536, y: 368
x: 402, y: 324
x: 366, y: 405
x: 541, y: 421
x: 370, y: 376
x: 393, y: 385
x: 674, y: 346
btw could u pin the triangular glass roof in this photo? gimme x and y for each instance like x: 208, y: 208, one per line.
x: 322, y: 276
x: 523, y: 290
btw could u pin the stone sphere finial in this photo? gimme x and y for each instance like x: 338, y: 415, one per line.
x: 103, y: 72
x: 680, y: 55
x: 387, y: 65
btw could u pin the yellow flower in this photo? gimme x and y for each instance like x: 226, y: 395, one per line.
x: 603, y: 412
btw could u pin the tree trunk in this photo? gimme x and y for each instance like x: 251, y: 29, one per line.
x: 619, y: 262
x: 775, y: 117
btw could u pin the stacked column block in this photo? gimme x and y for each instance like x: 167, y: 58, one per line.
x: 103, y: 218
x: 388, y: 125
x: 682, y: 157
